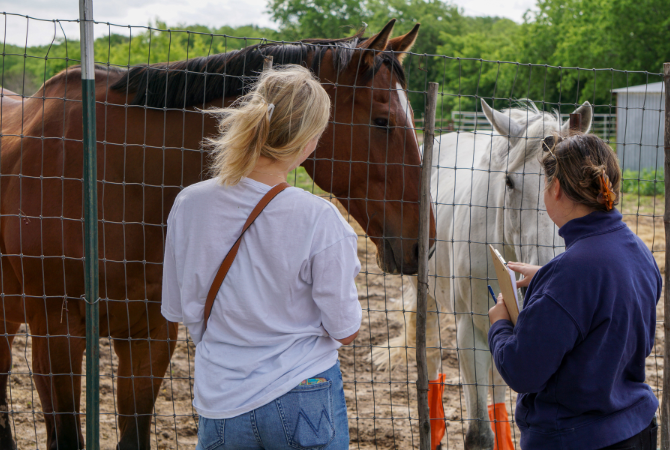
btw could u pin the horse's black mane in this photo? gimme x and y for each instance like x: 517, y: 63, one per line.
x: 197, y: 81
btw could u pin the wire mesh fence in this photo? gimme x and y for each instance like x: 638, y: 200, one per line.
x: 603, y: 125
x: 488, y: 189
x: 153, y: 89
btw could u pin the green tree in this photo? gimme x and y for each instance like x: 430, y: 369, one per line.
x: 25, y: 69
x: 595, y: 34
x: 435, y: 17
x: 469, y: 56
x: 476, y: 64
x: 160, y: 43
x: 300, y: 19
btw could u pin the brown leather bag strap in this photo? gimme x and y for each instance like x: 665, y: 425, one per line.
x: 230, y: 257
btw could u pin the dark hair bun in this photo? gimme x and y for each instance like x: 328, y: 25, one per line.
x: 587, y: 169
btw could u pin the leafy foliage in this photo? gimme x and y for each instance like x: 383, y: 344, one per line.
x: 483, y: 56
x: 645, y: 182
x: 25, y: 69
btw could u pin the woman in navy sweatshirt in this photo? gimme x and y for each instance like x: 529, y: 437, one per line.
x: 577, y: 354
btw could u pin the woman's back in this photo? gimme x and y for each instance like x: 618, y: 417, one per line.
x: 290, y: 282
x: 587, y: 326
x: 577, y: 353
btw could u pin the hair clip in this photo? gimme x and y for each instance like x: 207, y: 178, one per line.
x: 271, y: 109
x: 606, y: 196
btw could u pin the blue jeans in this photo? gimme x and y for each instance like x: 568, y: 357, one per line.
x: 307, y: 417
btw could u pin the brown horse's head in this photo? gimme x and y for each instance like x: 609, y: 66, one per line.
x: 369, y: 155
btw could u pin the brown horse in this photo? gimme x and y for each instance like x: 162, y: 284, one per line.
x: 149, y: 130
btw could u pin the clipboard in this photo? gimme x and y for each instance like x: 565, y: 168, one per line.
x: 507, y: 283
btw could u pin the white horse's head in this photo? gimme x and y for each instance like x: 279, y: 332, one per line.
x: 528, y: 233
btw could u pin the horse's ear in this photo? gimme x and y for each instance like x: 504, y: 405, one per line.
x: 503, y: 124
x: 403, y: 44
x: 377, y: 43
x: 587, y: 118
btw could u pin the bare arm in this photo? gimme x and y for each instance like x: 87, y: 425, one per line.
x: 348, y: 340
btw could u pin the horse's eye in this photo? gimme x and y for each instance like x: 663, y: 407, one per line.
x: 381, y: 122
x: 509, y: 182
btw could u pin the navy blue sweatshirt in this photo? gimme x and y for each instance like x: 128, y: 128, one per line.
x: 576, y: 356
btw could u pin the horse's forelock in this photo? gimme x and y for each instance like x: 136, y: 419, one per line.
x: 394, y: 66
x: 538, y: 124
x: 343, y: 53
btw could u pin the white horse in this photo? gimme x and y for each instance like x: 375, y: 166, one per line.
x: 487, y: 188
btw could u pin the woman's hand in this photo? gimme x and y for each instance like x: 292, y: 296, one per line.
x: 527, y: 270
x: 499, y: 311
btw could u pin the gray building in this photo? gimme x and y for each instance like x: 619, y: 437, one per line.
x: 639, y: 126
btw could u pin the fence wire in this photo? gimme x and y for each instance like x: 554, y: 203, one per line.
x: 150, y: 131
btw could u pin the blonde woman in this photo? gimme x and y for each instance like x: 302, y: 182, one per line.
x: 266, y: 369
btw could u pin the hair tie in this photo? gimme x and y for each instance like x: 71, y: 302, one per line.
x: 271, y: 109
x: 606, y: 196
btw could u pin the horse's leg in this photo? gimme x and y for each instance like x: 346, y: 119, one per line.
x: 433, y: 344
x: 475, y: 363
x: 58, y: 350
x: 11, y: 316
x: 498, y: 412
x: 436, y: 379
x: 9, y: 330
x: 498, y: 387
x: 142, y: 365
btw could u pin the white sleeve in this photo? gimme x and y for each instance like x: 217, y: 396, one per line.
x: 334, y: 288
x: 171, y: 299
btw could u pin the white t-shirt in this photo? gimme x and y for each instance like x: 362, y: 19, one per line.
x: 289, y: 292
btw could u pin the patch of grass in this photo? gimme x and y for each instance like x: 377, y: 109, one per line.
x: 299, y: 178
x: 648, y: 205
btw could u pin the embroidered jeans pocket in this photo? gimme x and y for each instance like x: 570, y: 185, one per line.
x: 307, y: 416
x: 210, y: 433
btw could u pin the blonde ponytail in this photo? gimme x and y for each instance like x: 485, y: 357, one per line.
x: 282, y: 113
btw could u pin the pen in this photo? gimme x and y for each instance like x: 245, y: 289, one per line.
x: 493, y: 295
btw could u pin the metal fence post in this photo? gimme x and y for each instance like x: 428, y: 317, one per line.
x: 665, y: 402
x: 90, y: 226
x: 422, y: 276
x: 575, y: 122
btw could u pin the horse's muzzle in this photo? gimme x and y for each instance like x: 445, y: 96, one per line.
x: 397, y: 256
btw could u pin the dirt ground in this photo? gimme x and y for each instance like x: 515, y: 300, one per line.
x: 382, y: 405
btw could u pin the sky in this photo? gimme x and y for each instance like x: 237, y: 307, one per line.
x: 13, y: 29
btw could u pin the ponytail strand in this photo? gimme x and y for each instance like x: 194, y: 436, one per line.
x: 284, y: 110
